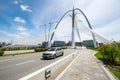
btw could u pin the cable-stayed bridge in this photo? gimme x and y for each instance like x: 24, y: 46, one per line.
x: 74, y: 23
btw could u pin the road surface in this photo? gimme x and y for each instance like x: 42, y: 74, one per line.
x: 15, y: 67
x: 85, y: 67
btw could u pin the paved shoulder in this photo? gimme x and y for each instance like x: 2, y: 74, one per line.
x: 85, y: 68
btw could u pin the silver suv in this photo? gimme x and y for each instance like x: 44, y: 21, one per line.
x: 53, y: 53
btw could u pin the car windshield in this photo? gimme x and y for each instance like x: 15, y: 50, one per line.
x: 52, y: 49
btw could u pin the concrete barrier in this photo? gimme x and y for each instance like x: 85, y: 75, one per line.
x: 51, y: 69
x: 18, y: 51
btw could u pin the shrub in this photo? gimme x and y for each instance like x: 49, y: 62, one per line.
x: 1, y: 53
x: 3, y: 49
x: 40, y: 49
x: 109, y: 52
x: 64, y: 47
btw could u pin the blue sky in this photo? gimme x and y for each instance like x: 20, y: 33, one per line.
x: 19, y: 19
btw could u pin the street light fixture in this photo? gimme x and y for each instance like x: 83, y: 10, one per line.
x: 49, y: 43
x: 45, y: 25
x: 45, y: 34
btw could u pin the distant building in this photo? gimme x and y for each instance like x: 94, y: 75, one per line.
x: 45, y: 44
x: 39, y: 44
x: 0, y: 44
x: 88, y: 43
x: 69, y: 43
x: 4, y: 43
x: 59, y: 43
x: 78, y: 43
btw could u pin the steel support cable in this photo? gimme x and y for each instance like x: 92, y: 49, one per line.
x: 84, y: 17
x: 94, y: 40
x: 77, y: 30
x: 40, y: 38
x: 97, y: 35
x: 58, y: 24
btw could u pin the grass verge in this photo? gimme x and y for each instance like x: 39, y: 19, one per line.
x: 92, y: 48
x: 113, y: 70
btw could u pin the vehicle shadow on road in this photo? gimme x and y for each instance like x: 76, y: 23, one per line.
x: 45, y: 59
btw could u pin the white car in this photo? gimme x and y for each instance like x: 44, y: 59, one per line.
x: 53, y: 53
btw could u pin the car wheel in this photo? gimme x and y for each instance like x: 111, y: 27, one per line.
x: 54, y: 56
x: 62, y: 53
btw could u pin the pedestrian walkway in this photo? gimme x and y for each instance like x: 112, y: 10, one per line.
x: 85, y: 67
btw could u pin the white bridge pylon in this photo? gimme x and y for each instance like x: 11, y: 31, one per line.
x: 74, y: 26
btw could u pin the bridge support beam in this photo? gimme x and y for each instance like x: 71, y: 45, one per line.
x: 73, y: 28
x: 94, y: 41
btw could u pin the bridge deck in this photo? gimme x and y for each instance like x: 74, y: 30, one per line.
x: 85, y: 67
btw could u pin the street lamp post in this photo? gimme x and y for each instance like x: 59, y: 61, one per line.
x: 45, y: 34
x: 49, y: 43
x: 45, y: 25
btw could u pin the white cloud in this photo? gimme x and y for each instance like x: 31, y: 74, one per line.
x: 82, y: 4
x: 25, y: 8
x: 101, y: 12
x: 24, y: 33
x: 49, y: 10
x: 63, y: 30
x: 16, y: 35
x: 15, y: 2
x: 20, y: 20
x: 20, y: 28
x: 12, y: 35
x: 110, y: 30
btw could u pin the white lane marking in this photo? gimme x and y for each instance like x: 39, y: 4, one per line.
x: 105, y: 69
x: 25, y: 62
x: 40, y: 70
x: 108, y: 73
x: 10, y: 59
x: 10, y: 66
x: 63, y: 72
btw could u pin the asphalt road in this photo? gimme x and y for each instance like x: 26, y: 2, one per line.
x: 15, y: 67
